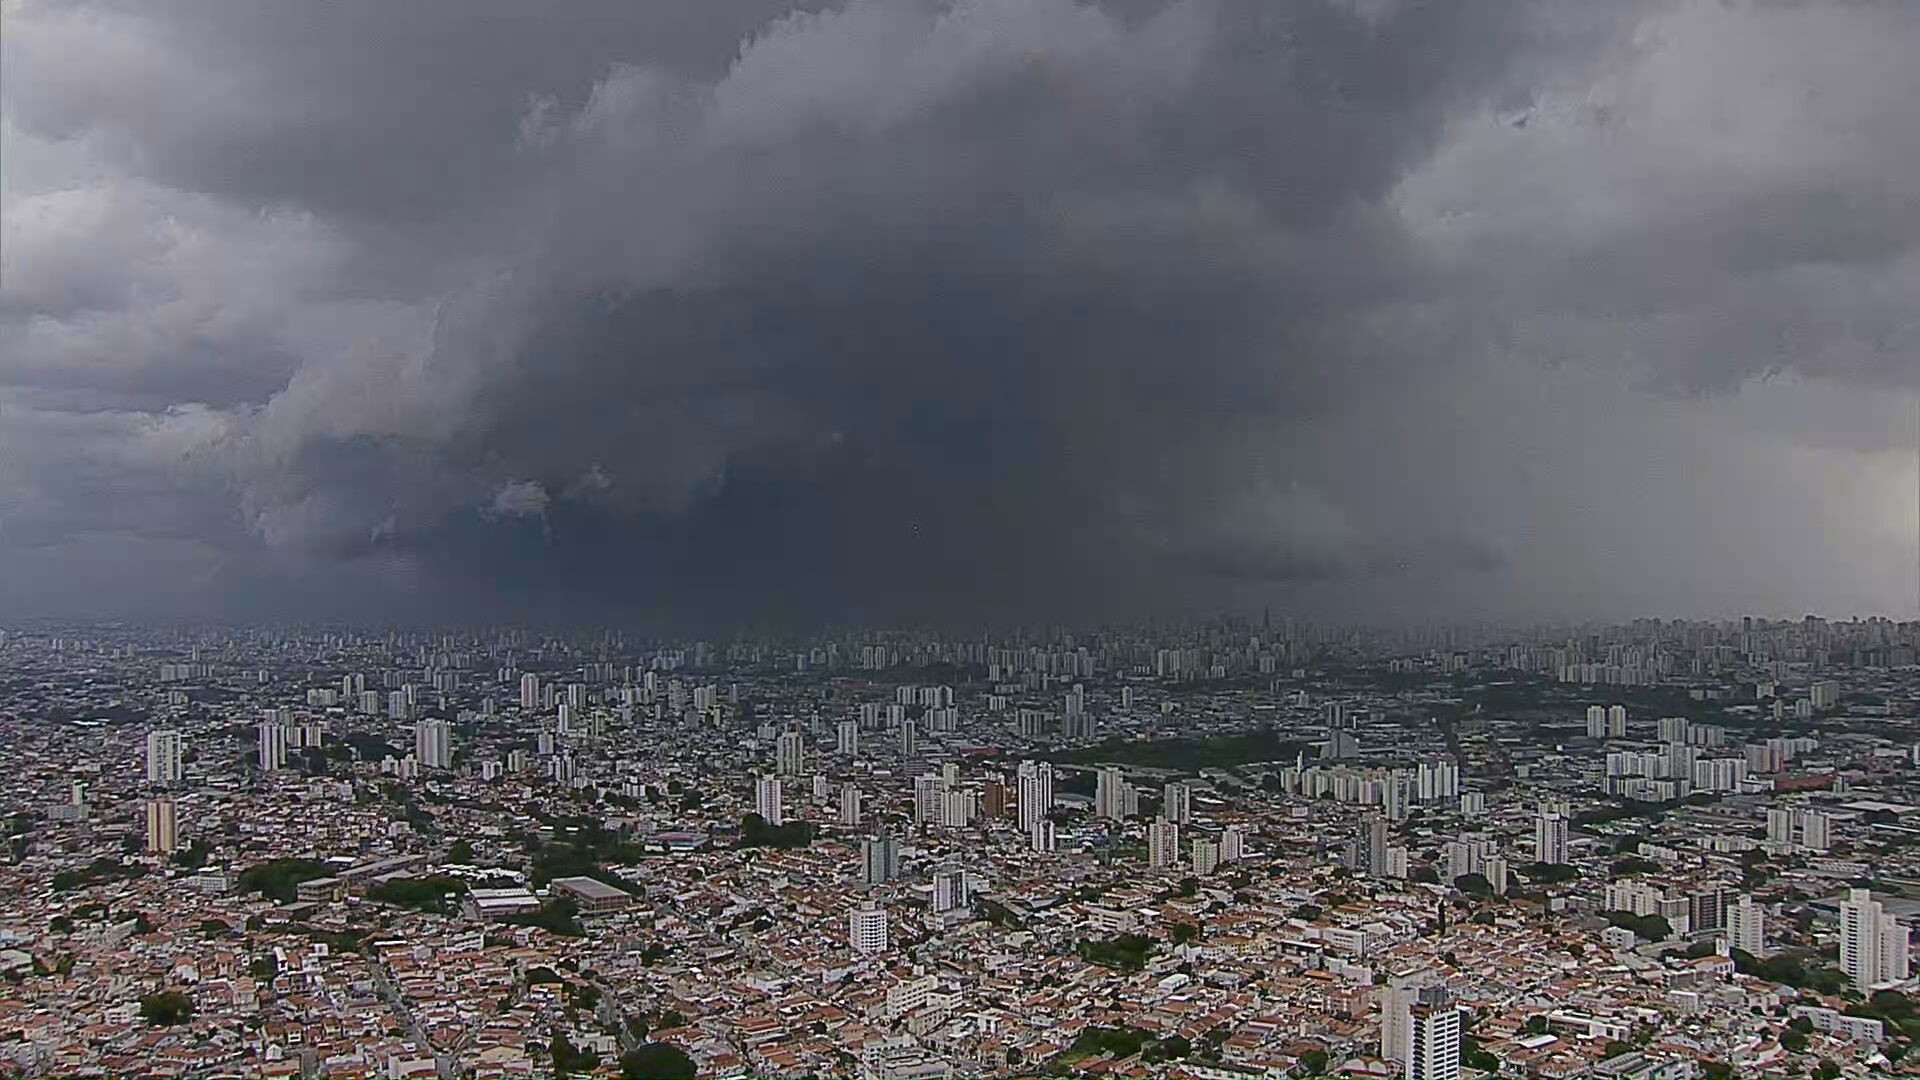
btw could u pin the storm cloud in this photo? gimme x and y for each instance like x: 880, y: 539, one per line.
x: 981, y: 310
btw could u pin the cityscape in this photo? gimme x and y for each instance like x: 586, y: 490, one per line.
x: 959, y: 539
x: 1238, y: 848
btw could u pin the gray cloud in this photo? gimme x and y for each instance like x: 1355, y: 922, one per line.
x: 972, y: 310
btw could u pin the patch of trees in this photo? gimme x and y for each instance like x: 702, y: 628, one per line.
x: 1127, y: 952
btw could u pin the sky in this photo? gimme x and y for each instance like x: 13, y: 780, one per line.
x: 958, y: 313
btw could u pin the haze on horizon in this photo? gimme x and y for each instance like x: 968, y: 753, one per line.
x: 942, y: 312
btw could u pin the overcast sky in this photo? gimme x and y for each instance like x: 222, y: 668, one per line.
x: 946, y: 312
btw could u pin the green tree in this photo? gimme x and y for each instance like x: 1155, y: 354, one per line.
x: 461, y: 852
x: 1314, y: 1062
x: 165, y: 1008
x: 568, y: 1059
x: 656, y: 1061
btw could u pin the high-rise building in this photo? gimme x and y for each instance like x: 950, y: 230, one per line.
x: 847, y: 738
x: 165, y: 754
x: 1596, y: 722
x: 433, y: 744
x: 1747, y: 927
x: 1041, y: 835
x: 1816, y: 830
x: 1177, y: 803
x: 273, y: 746
x: 1367, y: 851
x: 1495, y: 871
x: 530, y: 691
x: 1434, y: 1048
x: 1163, y: 844
x: 1873, y: 944
x: 1550, y: 838
x: 1206, y: 857
x: 867, y: 929
x: 880, y: 856
x: 950, y: 890
x: 956, y: 809
x: 1232, y: 845
x: 1397, y: 999
x: 909, y: 740
x: 1110, y: 794
x: 163, y: 826
x: 1034, y: 794
x: 789, y: 753
x: 767, y: 801
x: 1617, y: 722
x: 849, y: 804
x: 1780, y: 825
x: 929, y: 799
x: 993, y: 797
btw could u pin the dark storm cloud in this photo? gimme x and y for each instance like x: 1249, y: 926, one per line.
x: 967, y: 310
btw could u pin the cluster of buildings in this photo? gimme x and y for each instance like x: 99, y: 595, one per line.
x: 1218, y: 851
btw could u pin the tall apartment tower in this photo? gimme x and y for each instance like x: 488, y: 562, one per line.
x: 165, y: 754
x: 1434, y: 1023
x: 1550, y: 838
x: 880, y: 859
x: 847, y: 738
x: 1873, y: 944
x: 789, y: 754
x: 1367, y: 851
x: 849, y: 804
x: 867, y: 929
x: 530, y: 691
x: 1034, y: 796
x: 1177, y: 803
x: 1163, y: 844
x: 1110, y: 794
x: 1397, y: 999
x: 163, y: 825
x: 766, y: 800
x: 273, y: 746
x: 1747, y: 927
x: 1617, y: 722
x: 433, y: 744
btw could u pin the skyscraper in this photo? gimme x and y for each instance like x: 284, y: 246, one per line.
x: 849, y: 804
x: 165, y: 754
x: 867, y: 929
x: 530, y: 691
x: 1434, y: 1046
x: 789, y: 754
x: 847, y: 738
x: 1747, y: 927
x: 433, y: 744
x: 880, y: 858
x: 1367, y: 851
x: 929, y: 799
x: 1396, y: 1019
x: 1042, y: 837
x: 767, y: 800
x: 1873, y: 944
x: 163, y: 827
x: 1035, y: 795
x: 909, y: 740
x: 1110, y: 794
x: 1163, y: 844
x: 1177, y: 803
x: 950, y: 890
x: 273, y: 746
x: 1550, y: 838
x: 1617, y: 722
x: 1206, y: 857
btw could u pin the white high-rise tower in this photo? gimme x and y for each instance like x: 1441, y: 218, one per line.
x: 165, y: 753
